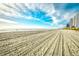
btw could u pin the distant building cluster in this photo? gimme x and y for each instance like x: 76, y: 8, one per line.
x: 74, y: 22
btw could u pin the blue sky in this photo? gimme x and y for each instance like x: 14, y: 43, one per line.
x: 42, y: 15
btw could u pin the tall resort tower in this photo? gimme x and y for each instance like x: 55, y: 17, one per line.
x: 74, y: 22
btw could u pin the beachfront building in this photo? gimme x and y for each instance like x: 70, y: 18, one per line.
x: 74, y: 22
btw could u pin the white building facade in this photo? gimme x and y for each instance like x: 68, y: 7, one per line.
x: 74, y: 22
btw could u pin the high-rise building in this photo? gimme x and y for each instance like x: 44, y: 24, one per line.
x: 74, y: 22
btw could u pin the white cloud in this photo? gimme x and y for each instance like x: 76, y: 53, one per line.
x: 69, y: 15
x: 55, y: 20
x: 8, y: 24
x: 48, y: 8
x: 61, y: 25
x: 14, y: 12
x: 8, y: 21
x: 12, y: 26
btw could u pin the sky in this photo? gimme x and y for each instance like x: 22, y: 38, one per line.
x: 36, y: 15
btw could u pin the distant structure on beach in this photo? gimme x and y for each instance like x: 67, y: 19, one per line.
x: 74, y: 21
